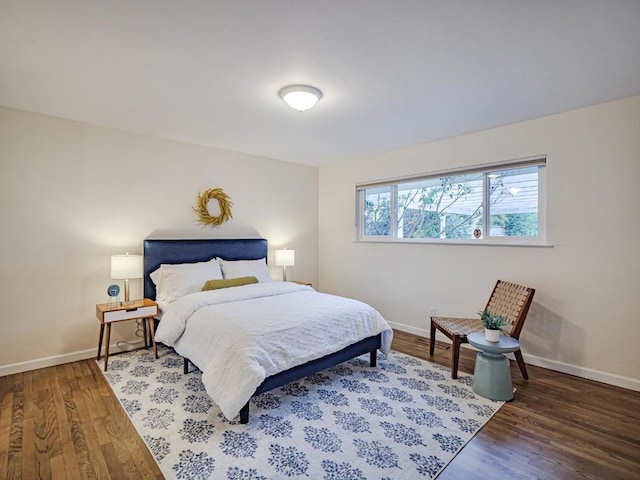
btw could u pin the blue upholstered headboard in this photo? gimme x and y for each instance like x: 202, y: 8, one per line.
x: 158, y: 251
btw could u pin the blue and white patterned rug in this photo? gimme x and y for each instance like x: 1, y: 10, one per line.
x: 405, y: 418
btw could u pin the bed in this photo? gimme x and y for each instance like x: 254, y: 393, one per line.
x: 191, y: 333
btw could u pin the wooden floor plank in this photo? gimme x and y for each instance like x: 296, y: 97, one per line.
x: 71, y: 462
x: 90, y: 437
x: 14, y: 457
x: 57, y: 468
x: 118, y: 469
x: 80, y: 445
x: 92, y: 398
x: 47, y: 437
x: 29, y: 462
x: 61, y: 390
x: 7, y: 387
x: 119, y: 426
x: 558, y: 427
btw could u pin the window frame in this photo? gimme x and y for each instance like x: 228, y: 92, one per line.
x: 539, y: 161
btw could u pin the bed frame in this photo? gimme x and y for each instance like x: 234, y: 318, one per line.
x: 159, y: 251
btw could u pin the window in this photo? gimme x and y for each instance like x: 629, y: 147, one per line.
x: 498, y: 203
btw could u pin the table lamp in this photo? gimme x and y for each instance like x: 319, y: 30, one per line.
x: 285, y: 258
x: 126, y: 267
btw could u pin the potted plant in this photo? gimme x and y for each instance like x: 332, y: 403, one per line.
x: 492, y: 325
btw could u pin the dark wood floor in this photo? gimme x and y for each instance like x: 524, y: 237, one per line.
x: 64, y: 422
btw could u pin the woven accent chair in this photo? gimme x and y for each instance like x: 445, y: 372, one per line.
x: 510, y: 300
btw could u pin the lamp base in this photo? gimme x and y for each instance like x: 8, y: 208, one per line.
x: 127, y: 298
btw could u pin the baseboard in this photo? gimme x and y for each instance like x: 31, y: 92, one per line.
x: 421, y: 332
x: 583, y: 372
x: 53, y: 360
x: 588, y: 373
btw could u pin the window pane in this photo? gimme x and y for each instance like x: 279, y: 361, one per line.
x: 448, y: 207
x: 513, y: 202
x: 500, y: 201
x: 377, y: 211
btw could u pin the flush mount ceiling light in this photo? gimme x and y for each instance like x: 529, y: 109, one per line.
x: 300, y: 97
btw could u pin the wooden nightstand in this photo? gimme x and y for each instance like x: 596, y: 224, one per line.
x: 301, y: 282
x: 144, y: 309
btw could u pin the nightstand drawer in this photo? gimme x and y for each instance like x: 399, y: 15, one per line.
x: 133, y: 312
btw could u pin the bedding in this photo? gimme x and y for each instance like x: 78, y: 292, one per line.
x: 228, y: 282
x: 246, y: 268
x: 174, y: 281
x: 262, y: 329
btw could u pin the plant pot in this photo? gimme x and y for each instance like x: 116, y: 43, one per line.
x: 492, y: 335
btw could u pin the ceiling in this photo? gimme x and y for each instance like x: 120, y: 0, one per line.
x: 393, y: 73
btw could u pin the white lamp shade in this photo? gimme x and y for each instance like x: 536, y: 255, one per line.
x: 126, y: 266
x: 285, y: 258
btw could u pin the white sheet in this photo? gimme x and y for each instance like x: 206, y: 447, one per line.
x: 239, y: 336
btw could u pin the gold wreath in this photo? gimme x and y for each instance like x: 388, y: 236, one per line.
x: 202, y: 209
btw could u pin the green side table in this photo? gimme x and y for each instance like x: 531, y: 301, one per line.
x: 491, y: 377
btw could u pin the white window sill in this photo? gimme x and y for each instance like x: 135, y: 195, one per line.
x: 479, y: 243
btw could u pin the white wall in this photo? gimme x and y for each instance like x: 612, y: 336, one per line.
x: 72, y: 195
x: 585, y: 318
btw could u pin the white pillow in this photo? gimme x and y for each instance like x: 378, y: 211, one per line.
x: 246, y: 268
x: 174, y: 281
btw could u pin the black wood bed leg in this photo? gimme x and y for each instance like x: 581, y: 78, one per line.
x: 186, y: 366
x: 244, y: 414
x: 373, y: 357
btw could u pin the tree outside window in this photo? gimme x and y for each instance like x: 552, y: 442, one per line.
x: 452, y: 207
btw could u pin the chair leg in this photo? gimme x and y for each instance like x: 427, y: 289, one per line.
x: 455, y: 355
x: 523, y: 367
x: 432, y: 340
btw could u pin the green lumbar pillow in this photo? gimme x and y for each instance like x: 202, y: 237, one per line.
x: 228, y: 282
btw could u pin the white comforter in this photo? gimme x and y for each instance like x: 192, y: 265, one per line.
x: 239, y: 336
